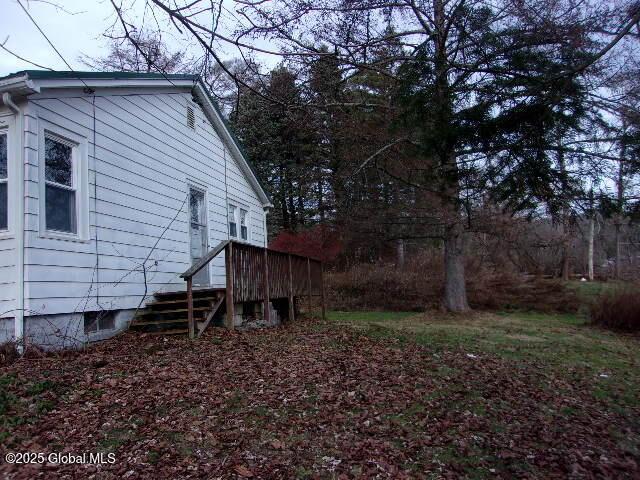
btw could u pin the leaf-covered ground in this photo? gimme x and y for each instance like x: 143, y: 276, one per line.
x: 311, y: 400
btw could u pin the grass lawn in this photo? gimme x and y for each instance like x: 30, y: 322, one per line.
x: 564, y: 343
x: 363, y: 395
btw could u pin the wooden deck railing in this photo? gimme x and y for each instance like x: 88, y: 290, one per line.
x: 260, y: 274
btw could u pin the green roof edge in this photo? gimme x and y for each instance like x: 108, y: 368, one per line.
x: 57, y: 74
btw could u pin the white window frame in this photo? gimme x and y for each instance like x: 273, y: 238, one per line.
x: 195, y: 185
x: 239, y: 206
x: 8, y: 127
x: 79, y: 180
x: 247, y: 223
x: 231, y: 203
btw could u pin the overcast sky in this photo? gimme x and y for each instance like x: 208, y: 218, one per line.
x: 75, y: 29
x: 72, y: 34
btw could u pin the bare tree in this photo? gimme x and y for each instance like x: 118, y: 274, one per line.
x: 143, y: 51
x: 483, y: 87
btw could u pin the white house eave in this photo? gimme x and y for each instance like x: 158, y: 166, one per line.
x: 18, y: 86
x: 218, y: 123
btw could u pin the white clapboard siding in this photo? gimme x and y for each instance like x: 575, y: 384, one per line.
x: 8, y: 254
x: 142, y: 156
x: 7, y: 277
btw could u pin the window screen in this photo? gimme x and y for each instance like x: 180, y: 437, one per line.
x: 60, y: 194
x: 233, y: 225
x: 244, y: 231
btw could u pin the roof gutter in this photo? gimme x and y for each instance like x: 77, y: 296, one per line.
x: 19, y: 225
x: 18, y: 85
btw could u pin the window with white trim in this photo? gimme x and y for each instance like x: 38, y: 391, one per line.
x: 238, y: 221
x: 60, y: 165
x: 4, y: 180
x: 233, y: 223
x: 244, y: 229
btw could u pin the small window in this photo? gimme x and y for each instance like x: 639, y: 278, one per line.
x: 4, y: 171
x: 244, y: 231
x: 233, y: 224
x: 98, y: 321
x: 191, y: 118
x: 60, y: 188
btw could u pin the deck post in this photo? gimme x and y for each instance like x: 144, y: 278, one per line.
x: 265, y: 272
x: 322, y: 292
x: 228, y: 260
x: 192, y: 329
x: 292, y: 313
x: 309, y: 285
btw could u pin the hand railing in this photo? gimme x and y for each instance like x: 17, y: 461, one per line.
x: 188, y: 276
x: 258, y: 274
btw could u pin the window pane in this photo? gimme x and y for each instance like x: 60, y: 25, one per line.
x: 233, y: 226
x: 196, y: 206
x: 57, y: 162
x: 243, y: 217
x: 243, y: 232
x: 3, y: 206
x: 3, y: 155
x: 90, y: 322
x: 106, y: 321
x: 60, y: 209
x: 96, y: 321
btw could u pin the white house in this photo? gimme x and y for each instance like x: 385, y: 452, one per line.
x: 100, y: 174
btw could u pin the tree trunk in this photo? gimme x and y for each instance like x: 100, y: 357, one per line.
x: 564, y: 216
x: 286, y: 221
x: 293, y: 215
x: 400, y: 252
x: 320, y: 200
x: 620, y: 186
x: 592, y: 233
x: 618, y: 271
x: 565, y: 257
x: 455, y: 289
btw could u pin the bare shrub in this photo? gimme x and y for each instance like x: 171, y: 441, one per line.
x: 418, y: 286
x: 617, y: 310
x: 8, y: 353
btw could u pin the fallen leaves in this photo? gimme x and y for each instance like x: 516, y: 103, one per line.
x: 243, y: 471
x: 309, y: 400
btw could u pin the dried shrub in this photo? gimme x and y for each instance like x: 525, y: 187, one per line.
x: 317, y: 242
x: 617, y: 310
x: 419, y: 286
x: 8, y: 353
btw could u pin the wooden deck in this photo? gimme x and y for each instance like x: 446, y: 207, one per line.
x: 253, y: 274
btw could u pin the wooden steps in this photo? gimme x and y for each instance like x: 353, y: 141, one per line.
x: 163, y: 312
x: 175, y: 331
x: 168, y: 312
x: 180, y: 301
